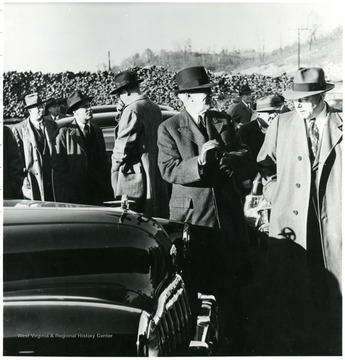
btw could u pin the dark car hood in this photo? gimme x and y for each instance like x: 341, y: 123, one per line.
x: 48, y: 326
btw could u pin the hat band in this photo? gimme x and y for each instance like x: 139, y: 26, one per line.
x: 193, y: 83
x: 309, y: 86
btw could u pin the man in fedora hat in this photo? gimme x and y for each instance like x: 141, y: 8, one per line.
x: 80, y: 171
x: 201, y: 155
x: 134, y: 170
x: 53, y: 110
x: 241, y: 112
x: 34, y: 137
x: 301, y: 165
x: 253, y: 132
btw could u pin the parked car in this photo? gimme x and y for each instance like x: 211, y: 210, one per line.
x: 99, y: 281
x: 106, y: 117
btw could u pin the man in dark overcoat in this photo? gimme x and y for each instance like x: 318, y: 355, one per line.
x: 13, y: 166
x: 80, y: 171
x: 301, y: 165
x: 253, y: 133
x: 242, y: 112
x: 200, y: 154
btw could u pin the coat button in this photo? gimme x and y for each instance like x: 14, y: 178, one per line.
x: 298, y: 185
x: 299, y: 158
x: 295, y: 212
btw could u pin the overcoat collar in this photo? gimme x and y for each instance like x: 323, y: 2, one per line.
x: 138, y: 98
x: 189, y: 128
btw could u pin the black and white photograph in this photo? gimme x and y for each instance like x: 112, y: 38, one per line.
x: 171, y: 178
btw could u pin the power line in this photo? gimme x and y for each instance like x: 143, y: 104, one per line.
x: 299, y: 44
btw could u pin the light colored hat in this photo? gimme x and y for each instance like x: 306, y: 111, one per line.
x: 308, y: 82
x: 32, y: 100
x: 268, y: 103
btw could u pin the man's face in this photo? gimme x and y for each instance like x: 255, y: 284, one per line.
x: 54, y: 110
x: 83, y: 113
x: 197, y: 102
x: 36, y: 113
x: 248, y: 98
x: 306, y: 107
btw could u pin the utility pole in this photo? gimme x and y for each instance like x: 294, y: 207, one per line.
x: 109, y: 61
x: 299, y: 43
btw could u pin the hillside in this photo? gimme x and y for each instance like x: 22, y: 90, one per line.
x: 326, y: 51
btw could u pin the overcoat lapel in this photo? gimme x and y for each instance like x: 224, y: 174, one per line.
x: 189, y: 129
x: 300, y: 139
x: 331, y: 136
x: 50, y: 130
x: 30, y: 134
x: 76, y: 135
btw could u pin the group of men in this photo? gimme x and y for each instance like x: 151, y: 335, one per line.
x: 191, y: 168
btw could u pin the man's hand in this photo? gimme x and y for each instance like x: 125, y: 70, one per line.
x: 204, y: 156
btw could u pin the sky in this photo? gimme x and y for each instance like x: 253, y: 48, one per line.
x: 76, y: 36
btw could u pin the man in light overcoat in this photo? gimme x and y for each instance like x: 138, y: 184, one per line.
x: 34, y: 137
x: 134, y: 170
x: 301, y: 163
x: 200, y: 154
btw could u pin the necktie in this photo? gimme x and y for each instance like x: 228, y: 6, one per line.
x: 86, y: 131
x: 202, y: 125
x: 313, y: 133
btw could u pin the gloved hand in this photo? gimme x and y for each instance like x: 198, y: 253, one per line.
x: 206, y: 155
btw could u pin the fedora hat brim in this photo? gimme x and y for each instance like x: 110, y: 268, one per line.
x: 205, y: 86
x: 294, y: 95
x: 120, y: 88
x: 71, y: 108
x: 34, y: 105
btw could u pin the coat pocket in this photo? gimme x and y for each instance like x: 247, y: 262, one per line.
x: 131, y: 184
x: 180, y: 207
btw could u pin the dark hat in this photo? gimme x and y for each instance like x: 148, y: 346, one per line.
x: 74, y: 99
x: 268, y: 103
x: 124, y: 79
x: 308, y: 82
x: 32, y: 100
x: 245, y: 90
x: 51, y: 102
x: 192, y: 78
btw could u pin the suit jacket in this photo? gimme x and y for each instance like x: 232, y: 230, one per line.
x: 287, y: 171
x: 240, y: 113
x: 33, y: 187
x: 13, y: 166
x: 80, y: 176
x: 205, y: 197
x: 134, y: 161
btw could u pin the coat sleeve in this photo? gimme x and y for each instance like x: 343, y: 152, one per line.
x: 128, y: 133
x: 174, y: 169
x: 267, y: 160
